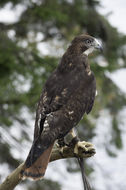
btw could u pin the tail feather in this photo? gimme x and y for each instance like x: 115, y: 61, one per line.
x: 37, y: 170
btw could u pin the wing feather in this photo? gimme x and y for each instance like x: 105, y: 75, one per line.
x: 59, y: 89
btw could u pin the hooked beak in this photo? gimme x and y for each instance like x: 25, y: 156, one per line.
x: 98, y: 45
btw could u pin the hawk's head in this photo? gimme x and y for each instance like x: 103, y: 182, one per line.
x: 85, y: 44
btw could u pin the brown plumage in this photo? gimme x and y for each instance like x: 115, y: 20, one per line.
x: 68, y: 93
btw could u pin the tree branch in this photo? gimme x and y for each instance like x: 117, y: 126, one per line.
x: 67, y: 152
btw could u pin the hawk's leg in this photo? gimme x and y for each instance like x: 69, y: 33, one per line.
x: 74, y: 140
x: 86, y: 146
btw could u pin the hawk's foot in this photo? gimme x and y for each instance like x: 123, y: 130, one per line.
x: 60, y: 145
x: 61, y: 142
x: 84, y: 147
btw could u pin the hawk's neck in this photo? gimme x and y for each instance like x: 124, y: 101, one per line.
x: 76, y: 49
x: 70, y: 61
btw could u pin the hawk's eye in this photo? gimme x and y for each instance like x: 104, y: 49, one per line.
x: 88, y: 41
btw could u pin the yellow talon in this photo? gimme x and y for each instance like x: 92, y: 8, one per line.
x: 82, y: 144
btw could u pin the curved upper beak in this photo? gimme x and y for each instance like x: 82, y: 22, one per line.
x: 98, y: 45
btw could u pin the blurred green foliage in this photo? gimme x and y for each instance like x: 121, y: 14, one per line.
x: 44, y: 185
x: 21, y: 61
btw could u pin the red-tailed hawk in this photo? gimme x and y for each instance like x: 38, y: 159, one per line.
x: 68, y: 93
